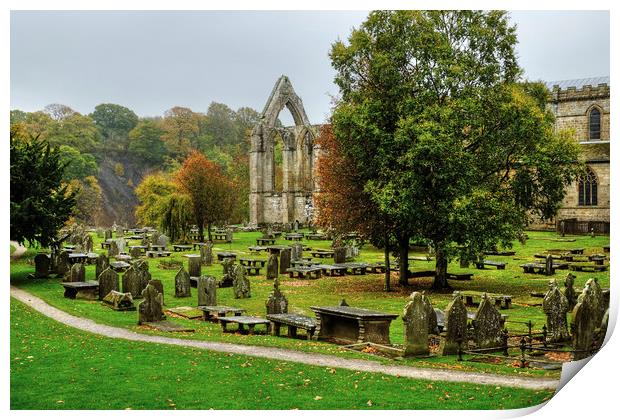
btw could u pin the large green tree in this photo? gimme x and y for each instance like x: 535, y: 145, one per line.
x: 40, y: 203
x: 77, y: 165
x: 447, y: 142
x: 114, y: 123
x: 145, y: 142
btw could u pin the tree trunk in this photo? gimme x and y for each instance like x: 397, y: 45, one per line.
x: 441, y: 270
x: 209, y: 231
x: 201, y: 232
x: 386, y: 286
x: 403, y: 256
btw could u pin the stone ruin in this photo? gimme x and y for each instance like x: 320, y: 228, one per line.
x: 276, y: 301
x: 299, y: 154
x: 555, y: 307
x: 241, y: 283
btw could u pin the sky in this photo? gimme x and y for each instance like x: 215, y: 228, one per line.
x: 152, y: 61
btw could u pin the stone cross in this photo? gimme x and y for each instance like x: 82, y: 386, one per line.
x: 151, y: 308
x: 108, y: 281
x: 488, y: 325
x: 41, y: 266
x: 415, y: 318
x: 455, y: 326
x: 276, y: 301
x: 182, y: 284
x: 206, y: 253
x: 555, y: 306
x: 272, y: 267
x: 285, y: 260
x: 207, y: 291
x: 78, y: 273
x: 569, y: 291
x: 241, y: 283
x: 194, y: 266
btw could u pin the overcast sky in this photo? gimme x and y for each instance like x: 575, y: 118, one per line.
x: 152, y: 61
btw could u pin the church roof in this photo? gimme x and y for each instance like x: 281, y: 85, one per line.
x: 578, y: 83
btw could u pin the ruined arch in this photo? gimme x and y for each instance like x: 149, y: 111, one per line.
x: 298, y: 156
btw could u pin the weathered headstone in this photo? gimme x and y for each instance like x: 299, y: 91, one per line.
x: 241, y: 283
x: 41, y: 266
x: 131, y: 282
x: 154, y: 237
x: 432, y: 315
x: 163, y: 240
x: 229, y: 235
x: 135, y: 252
x: 194, y: 266
x: 415, y: 318
x: 272, y: 267
x: 87, y: 243
x: 555, y: 306
x: 276, y: 301
x: 340, y: 255
x: 119, y: 301
x: 206, y: 253
x: 584, y: 322
x: 120, y: 245
x: 207, y: 291
x: 455, y: 326
x: 113, y: 251
x: 151, y: 308
x: 297, y: 250
x: 142, y: 272
x: 108, y: 281
x: 285, y: 260
x: 597, y: 293
x: 549, y: 270
x: 569, y: 291
x: 107, y: 234
x: 488, y: 325
x: 182, y: 285
x: 62, y: 263
x: 78, y: 273
x: 159, y: 286
x: 228, y: 266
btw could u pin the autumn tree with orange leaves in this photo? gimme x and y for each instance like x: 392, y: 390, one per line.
x: 210, y: 190
x: 341, y: 204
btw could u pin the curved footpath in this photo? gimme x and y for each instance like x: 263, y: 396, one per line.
x: 283, y: 354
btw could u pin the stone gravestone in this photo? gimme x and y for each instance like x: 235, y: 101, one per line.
x: 163, y: 240
x: 62, y: 263
x: 276, y: 301
x: 182, y: 286
x: 151, y: 308
x: 142, y: 271
x: 549, y: 270
x: 78, y: 273
x: 569, y: 291
x: 584, y: 322
x: 113, y: 251
x: 135, y: 252
x: 131, y: 282
x: 107, y: 234
x: 241, y: 283
x: 340, y: 255
x: 285, y: 260
x: 101, y: 264
x: 297, y: 250
x: 228, y: 266
x: 455, y: 326
x: 41, y: 266
x: 87, y: 244
x: 432, y: 315
x: 597, y: 293
x: 488, y: 325
x: 108, y: 281
x: 415, y: 318
x: 272, y: 267
x: 229, y: 235
x: 206, y: 253
x: 194, y: 266
x: 120, y: 245
x: 119, y: 301
x: 555, y: 306
x: 158, y: 285
x: 154, y: 237
x: 207, y: 291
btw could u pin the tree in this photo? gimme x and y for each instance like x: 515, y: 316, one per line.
x: 145, y: 142
x: 182, y: 130
x: 75, y: 130
x: 177, y: 217
x: 40, y: 204
x: 209, y: 189
x: 89, y: 198
x: 77, y: 165
x: 58, y: 112
x: 342, y: 205
x: 153, y: 193
x: 445, y: 140
x: 114, y: 122
x: 220, y: 124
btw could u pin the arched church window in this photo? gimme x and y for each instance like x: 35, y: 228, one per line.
x: 588, y: 189
x: 595, y: 124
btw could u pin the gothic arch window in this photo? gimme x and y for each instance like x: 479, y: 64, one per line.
x: 594, y: 124
x: 588, y: 189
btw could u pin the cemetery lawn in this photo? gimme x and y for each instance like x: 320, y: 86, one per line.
x: 57, y: 367
x: 362, y: 291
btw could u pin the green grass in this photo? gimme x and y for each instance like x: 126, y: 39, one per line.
x: 363, y: 291
x: 57, y: 367
x: 12, y: 249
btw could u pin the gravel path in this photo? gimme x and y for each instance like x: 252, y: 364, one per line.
x: 283, y: 354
